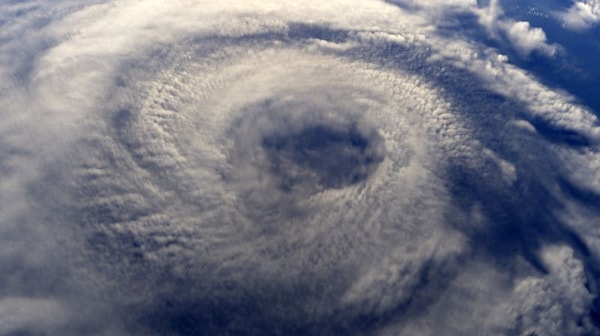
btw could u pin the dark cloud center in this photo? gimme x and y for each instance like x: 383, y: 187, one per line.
x: 322, y: 157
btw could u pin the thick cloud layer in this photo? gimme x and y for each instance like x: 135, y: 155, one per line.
x: 378, y: 168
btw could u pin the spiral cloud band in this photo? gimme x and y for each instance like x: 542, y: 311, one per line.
x: 277, y: 168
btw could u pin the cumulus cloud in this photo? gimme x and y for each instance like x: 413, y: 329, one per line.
x: 582, y: 15
x: 212, y: 168
x: 524, y: 38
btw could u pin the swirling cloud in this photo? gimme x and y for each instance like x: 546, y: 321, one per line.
x: 242, y: 168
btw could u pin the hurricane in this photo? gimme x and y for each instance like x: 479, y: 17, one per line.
x: 299, y: 168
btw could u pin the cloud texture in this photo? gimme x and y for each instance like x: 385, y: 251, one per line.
x: 243, y: 168
x: 582, y: 15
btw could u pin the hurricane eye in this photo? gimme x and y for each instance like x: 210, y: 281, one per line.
x: 321, y: 156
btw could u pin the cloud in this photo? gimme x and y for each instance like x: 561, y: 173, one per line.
x: 526, y: 39
x: 41, y: 315
x: 537, y: 312
x: 523, y: 38
x: 171, y: 162
x: 520, y: 34
x: 582, y: 15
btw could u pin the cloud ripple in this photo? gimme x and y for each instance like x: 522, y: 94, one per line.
x: 191, y: 168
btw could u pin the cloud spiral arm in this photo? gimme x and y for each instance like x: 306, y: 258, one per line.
x: 170, y: 179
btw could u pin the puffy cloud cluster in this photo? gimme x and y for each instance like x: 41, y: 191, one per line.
x: 181, y: 168
x: 523, y: 38
x: 582, y: 15
x: 520, y: 34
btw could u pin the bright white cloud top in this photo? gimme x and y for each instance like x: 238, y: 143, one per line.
x: 582, y: 15
x: 324, y: 168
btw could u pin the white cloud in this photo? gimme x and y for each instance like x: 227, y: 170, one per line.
x: 490, y: 15
x: 130, y: 126
x: 582, y: 15
x: 521, y: 36
x: 524, y: 38
x: 541, y: 309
